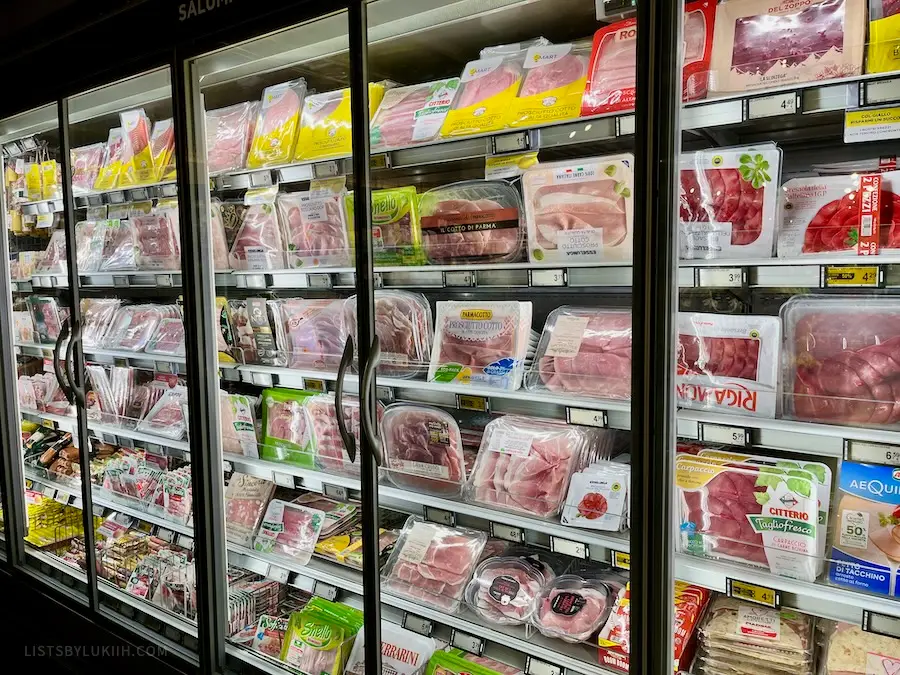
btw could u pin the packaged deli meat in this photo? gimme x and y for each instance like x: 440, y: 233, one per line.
x: 45, y: 315
x: 761, y: 43
x: 551, y: 91
x: 238, y: 425
x: 309, y: 333
x: 524, y: 464
x: 166, y: 418
x: 584, y: 351
x: 402, y: 652
x: 314, y: 229
x: 286, y: 429
x: 884, y: 31
x: 580, y: 211
x: 572, y: 608
x: 137, y: 157
x: 613, y: 67
x: 339, y: 516
x: 422, y: 449
x: 505, y: 590
x: 108, y: 178
x: 482, y: 344
x: 157, y: 243
x: 168, y: 338
x: 86, y: 164
x: 598, y: 497
x: 325, y: 130
x: 728, y: 202
x: 413, y: 114
x: 432, y: 563
x: 839, y: 360
x: 728, y: 363
x: 89, y: 245
x: 822, y: 215
x: 328, y: 446
x: 162, y: 148
x: 120, y: 246
x: 132, y: 326
x: 474, y: 221
x: 396, y: 228
x: 289, y: 529
x: 227, y: 133
x: 220, y: 242
x: 54, y: 260
x: 403, y: 326
x: 850, y: 650
x: 277, y: 122
x: 258, y: 244
x: 246, y: 499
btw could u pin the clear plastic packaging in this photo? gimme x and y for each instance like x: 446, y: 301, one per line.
x: 227, y: 134
x: 23, y: 327
x: 275, y: 132
x: 580, y: 211
x: 246, y: 499
x: 310, y: 333
x: 97, y: 314
x: 108, y: 178
x: 287, y: 433
x: 598, y: 497
x: 329, y: 450
x: 432, y: 563
x: 157, y: 241
x: 168, y: 338
x: 884, y: 31
x: 54, y: 260
x: 849, y: 650
x: 258, y: 244
x: 524, y: 464
x: 137, y: 157
x: 166, y: 418
x: 403, y: 652
x: 769, y: 633
x: 423, y: 450
x: 289, y: 529
x: 325, y: 130
x: 571, y: 608
x: 238, y: 425
x: 505, y: 590
x: 314, y: 229
x: 86, y: 164
x: 220, y: 242
x: 133, y: 326
x: 103, y: 392
x: 162, y: 149
x: 89, y: 245
x: 413, y: 114
x: 120, y: 246
x: 473, y: 221
x: 555, y: 77
x: 45, y: 314
x: 584, y: 351
x: 396, y: 226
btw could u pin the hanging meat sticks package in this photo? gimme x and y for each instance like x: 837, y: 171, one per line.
x: 551, y: 91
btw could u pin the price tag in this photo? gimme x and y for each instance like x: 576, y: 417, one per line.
x: 50, y: 424
x: 284, y: 480
x: 872, y: 453
x: 255, y: 280
x: 576, y: 549
x: 455, y: 279
x: 508, y: 533
x: 547, y: 277
x: 882, y: 624
x: 417, y: 624
x: 720, y: 433
x: 338, y: 492
x: 476, y: 403
x: 278, y: 574
x: 587, y: 418
x: 721, y: 277
x: 227, y: 466
x: 466, y: 642
x: 621, y: 560
x: 120, y: 282
x: 324, y: 590
x: 772, y: 106
x: 380, y: 161
x: 510, y: 143
x: 163, y: 367
x: 62, y: 498
x: 885, y: 91
x: 326, y: 169
x: 833, y: 276
x: 314, y: 385
x: 262, y: 379
x: 49, y: 492
x: 163, y: 280
x: 139, y: 194
x: 98, y: 510
x: 44, y: 220
x: 761, y: 595
x: 535, y: 667
x: 184, y: 541
x: 440, y: 516
x: 77, y: 503
x: 320, y: 281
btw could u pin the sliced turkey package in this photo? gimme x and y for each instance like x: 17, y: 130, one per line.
x: 482, y: 344
x: 432, y: 563
x: 611, y: 83
x: 524, y: 464
x: 584, y: 351
x: 842, y: 360
x: 473, y: 221
x: 760, y: 43
x: 572, y: 608
x: 403, y: 326
x: 728, y: 363
x: 310, y: 333
x: 729, y: 202
x: 258, y: 244
x: 505, y: 590
x: 413, y: 114
x: 580, y: 211
x: 555, y: 77
x: 277, y: 124
x: 289, y: 529
x: 423, y: 449
x: 822, y: 215
x: 328, y: 446
x: 314, y: 229
x: 227, y: 133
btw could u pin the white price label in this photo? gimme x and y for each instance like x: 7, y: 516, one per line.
x: 320, y: 281
x: 184, y: 541
x: 338, y: 492
x: 278, y: 574
x: 284, y: 480
x: 510, y: 142
x: 262, y: 379
x: 326, y: 169
x: 140, y: 194
x: 255, y: 280
x: 721, y: 277
x: 417, y: 624
x: 886, y: 91
x: 324, y: 590
x: 227, y: 466
x: 535, y: 667
x: 466, y: 642
x: 44, y: 220
x: 163, y: 280
x: 453, y: 279
x: 547, y: 277
x: 720, y: 433
x: 872, y: 453
x: 440, y: 516
x: 587, y: 418
x: 575, y: 549
x: 120, y: 282
x: 772, y: 106
x: 49, y: 492
x: 873, y: 622
x: 508, y: 532
x: 163, y: 367
x: 77, y: 503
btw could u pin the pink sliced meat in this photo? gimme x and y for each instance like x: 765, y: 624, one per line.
x: 258, y: 244
x: 315, y: 229
x: 227, y: 134
x: 491, y: 84
x: 731, y: 199
x: 570, y: 68
x: 582, y: 206
x: 314, y: 332
x: 717, y: 356
x: 158, y: 243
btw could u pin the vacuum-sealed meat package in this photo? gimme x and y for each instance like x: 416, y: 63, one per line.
x: 168, y: 338
x: 584, y: 351
x: 121, y: 246
x: 423, y: 449
x: 137, y: 157
x: 580, y: 211
x: 157, y: 242
x: 238, y: 425
x: 277, y: 123
x: 572, y: 608
x: 108, y: 178
x: 86, y: 164
x: 432, y: 563
x: 396, y: 227
x: 227, y: 134
x: 505, y: 590
x: 219, y: 239
x: 413, y: 114
x: 166, y: 418
x: 729, y: 202
x: 246, y: 499
x: 46, y: 317
x: 482, y: 344
x: 728, y: 363
x: 289, y: 529
x: 474, y: 221
x: 848, y: 649
x: 97, y: 314
x: 402, y: 651
x: 328, y: 446
x: 310, y: 333
x: 524, y: 464
x: 325, y: 129
x: 89, y: 240
x: 54, y: 260
x: 132, y: 326
x: 258, y: 244
x: 555, y: 77
x: 162, y: 148
x: 286, y: 430
x: 314, y: 229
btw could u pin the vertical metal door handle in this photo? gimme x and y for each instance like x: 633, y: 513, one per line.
x: 349, y: 440
x: 366, y: 387
x: 70, y: 366
x: 58, y: 370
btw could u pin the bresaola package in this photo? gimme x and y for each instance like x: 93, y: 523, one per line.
x: 728, y: 202
x: 611, y: 82
x: 728, y: 363
x: 769, y: 43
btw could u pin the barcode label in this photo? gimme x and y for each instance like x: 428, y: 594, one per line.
x: 866, y: 226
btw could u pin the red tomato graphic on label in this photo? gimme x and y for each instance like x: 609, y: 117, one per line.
x: 592, y: 505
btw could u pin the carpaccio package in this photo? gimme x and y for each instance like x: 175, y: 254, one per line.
x: 770, y: 43
x: 396, y: 227
x: 473, y: 221
x: 276, y: 125
x: 555, y: 77
x: 729, y: 202
x: 86, y: 164
x: 524, y: 464
x: 246, y: 499
x: 289, y: 529
x: 97, y: 314
x: 137, y: 157
x: 823, y: 215
x: 505, y: 590
x: 423, y: 449
x: 108, y: 178
x: 220, y: 242
x: 728, y: 363
x: 157, y: 241
x: 258, y: 244
x: 482, y: 344
x: 432, y: 563
x: 238, y: 425
x: 580, y: 211
x: 840, y: 360
x: 314, y: 229
x: 325, y: 129
x: 572, y: 608
x: 611, y: 83
x: 227, y: 133
x: 166, y: 418
x: 330, y: 453
x: 584, y: 351
x: 413, y: 114
x: 310, y: 333
x: 45, y: 314
x: 121, y: 246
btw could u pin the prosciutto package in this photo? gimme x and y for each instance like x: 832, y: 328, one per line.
x: 258, y: 244
x: 227, y: 134
x: 120, y: 246
x: 584, y: 351
x: 403, y: 326
x: 157, y: 241
x: 286, y: 428
x: 168, y: 338
x: 246, y: 498
x: 758, y: 44
x: 133, y: 326
x: 482, y: 344
x: 524, y: 464
x: 325, y: 129
x: 413, y: 114
x: 423, y: 449
x: 728, y: 363
x: 505, y: 590
x: 137, y: 157
x: 572, y: 608
x: 432, y: 563
x: 275, y: 132
x: 46, y: 317
x: 108, y: 178
x: 220, y: 242
x: 580, y: 211
x: 329, y: 450
x: 86, y: 164
x: 310, y: 333
x: 166, y: 418
x: 472, y: 221
x: 289, y: 529
x: 611, y: 84
x: 555, y: 77
x: 314, y: 229
x: 97, y: 314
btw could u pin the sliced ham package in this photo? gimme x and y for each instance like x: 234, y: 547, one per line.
x: 166, y: 418
x: 289, y: 529
x: 728, y: 363
x: 238, y: 425
x: 767, y: 43
x: 86, y: 164
x: 423, y: 449
x: 325, y: 130
x: 97, y: 314
x: 168, y: 338
x: 580, y: 211
x: 572, y: 608
x: 729, y: 202
x: 219, y: 238
x: 402, y: 652
x: 584, y: 351
x: 555, y: 77
x: 505, y: 590
x: 258, y: 244
x: 133, y: 325
x: 309, y: 333
x: 158, y: 243
x: 481, y: 344
x: 413, y: 114
x: 328, y: 446
x: 611, y: 83
x: 277, y: 123
x: 246, y: 499
x: 432, y: 563
x: 227, y: 134
x: 823, y: 215
x: 396, y: 228
x: 286, y: 429
x: 314, y: 228
x: 120, y: 246
x: 137, y: 157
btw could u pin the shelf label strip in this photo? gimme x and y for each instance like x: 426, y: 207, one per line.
x: 417, y: 624
x: 575, y: 549
x: 534, y: 666
x: 785, y: 103
x: 871, y: 453
x: 507, y: 532
x: 466, y: 642
x: 721, y: 433
x: 761, y: 595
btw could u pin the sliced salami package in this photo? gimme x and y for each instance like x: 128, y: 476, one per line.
x: 728, y: 363
x: 315, y: 229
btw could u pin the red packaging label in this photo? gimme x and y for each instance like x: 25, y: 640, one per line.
x: 888, y: 163
x: 869, y: 214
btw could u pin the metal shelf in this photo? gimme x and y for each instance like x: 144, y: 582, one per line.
x: 107, y: 500
x: 140, y: 279
x: 40, y: 280
x: 178, y: 623
x: 56, y: 563
x: 61, y: 422
x: 120, y: 195
x: 107, y: 430
x: 163, y: 363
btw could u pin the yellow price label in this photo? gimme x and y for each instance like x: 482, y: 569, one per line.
x: 314, y: 385
x: 621, y: 560
x: 761, y: 595
x: 851, y: 276
x: 476, y: 403
x: 50, y: 424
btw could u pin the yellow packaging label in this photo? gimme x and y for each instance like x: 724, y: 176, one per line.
x: 692, y: 472
x: 509, y: 166
x: 15, y: 222
x: 884, y: 45
x: 476, y: 314
x: 489, y: 114
x: 276, y: 126
x: 50, y: 186
x: 33, y: 182
x: 139, y: 170
x: 108, y: 178
x: 330, y: 135
x: 534, y: 106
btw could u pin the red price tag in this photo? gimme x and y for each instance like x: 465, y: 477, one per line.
x: 869, y: 214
